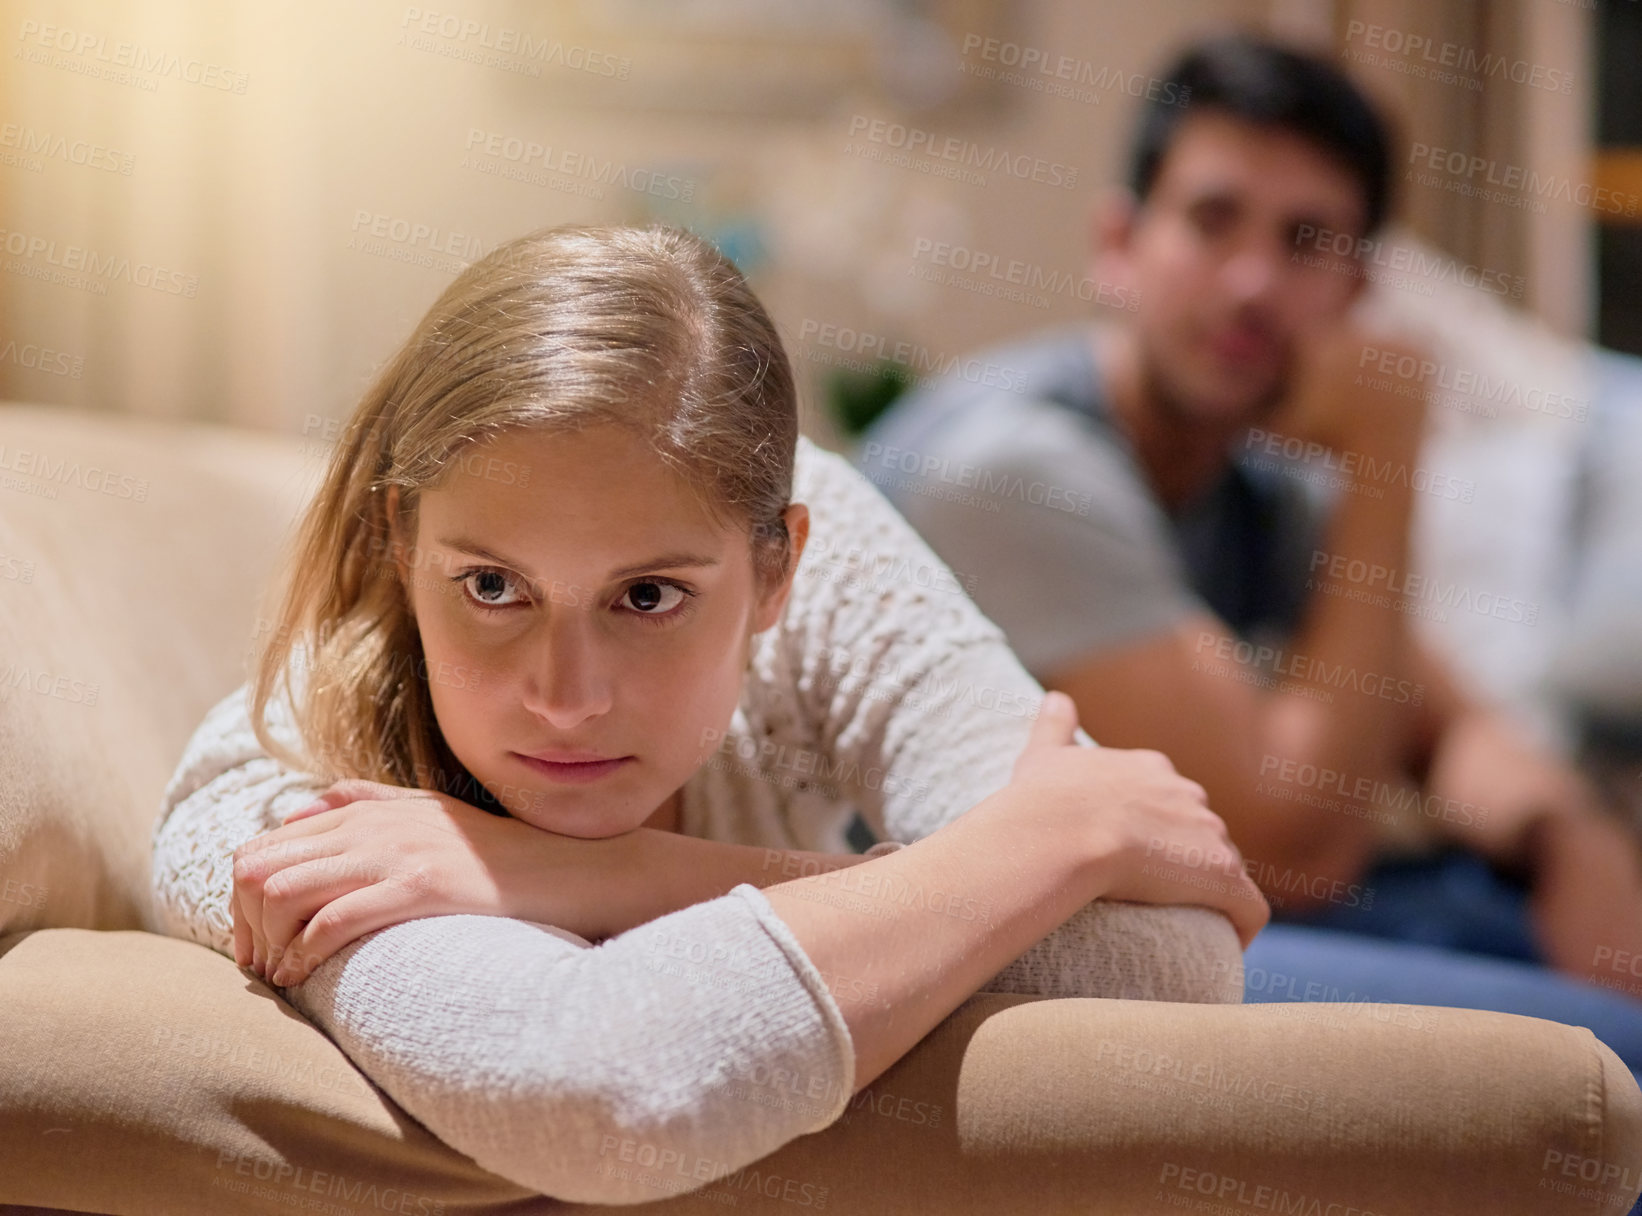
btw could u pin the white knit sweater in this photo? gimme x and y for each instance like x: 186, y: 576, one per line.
x: 707, y: 1037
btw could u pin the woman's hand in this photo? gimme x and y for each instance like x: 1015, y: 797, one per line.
x: 1151, y: 830
x: 368, y: 855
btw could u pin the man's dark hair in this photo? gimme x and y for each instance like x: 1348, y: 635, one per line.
x: 1271, y: 85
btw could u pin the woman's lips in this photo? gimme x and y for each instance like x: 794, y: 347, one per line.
x: 574, y: 774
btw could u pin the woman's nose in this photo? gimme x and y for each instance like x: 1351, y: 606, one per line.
x: 569, y: 677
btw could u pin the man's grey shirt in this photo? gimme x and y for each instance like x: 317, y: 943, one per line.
x: 1025, y: 485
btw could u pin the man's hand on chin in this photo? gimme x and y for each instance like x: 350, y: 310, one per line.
x: 1354, y: 389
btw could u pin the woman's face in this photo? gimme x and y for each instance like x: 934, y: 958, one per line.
x: 573, y: 598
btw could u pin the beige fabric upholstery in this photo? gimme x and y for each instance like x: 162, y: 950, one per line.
x: 146, y: 549
x: 149, y: 1075
x: 140, y: 1074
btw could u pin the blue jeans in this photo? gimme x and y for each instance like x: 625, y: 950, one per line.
x: 1454, y: 900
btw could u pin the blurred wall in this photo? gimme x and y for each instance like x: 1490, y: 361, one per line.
x: 235, y: 211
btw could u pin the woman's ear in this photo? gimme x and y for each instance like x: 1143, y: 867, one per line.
x: 774, y: 599
x: 797, y: 516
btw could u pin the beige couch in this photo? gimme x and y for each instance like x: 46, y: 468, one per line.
x: 140, y: 1074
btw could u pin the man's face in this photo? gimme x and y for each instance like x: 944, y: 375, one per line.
x: 1229, y: 290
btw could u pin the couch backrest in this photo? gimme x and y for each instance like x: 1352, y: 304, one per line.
x: 136, y: 560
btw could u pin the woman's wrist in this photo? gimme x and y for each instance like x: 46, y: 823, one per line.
x: 599, y: 888
x: 572, y: 883
x: 1010, y: 820
x: 617, y: 883
x: 732, y: 864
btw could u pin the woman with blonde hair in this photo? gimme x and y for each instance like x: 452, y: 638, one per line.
x: 589, y: 657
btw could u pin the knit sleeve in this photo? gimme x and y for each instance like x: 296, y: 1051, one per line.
x: 923, y: 708
x: 656, y: 1062
x: 226, y: 790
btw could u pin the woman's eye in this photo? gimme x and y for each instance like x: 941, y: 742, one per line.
x: 482, y: 585
x: 650, y: 598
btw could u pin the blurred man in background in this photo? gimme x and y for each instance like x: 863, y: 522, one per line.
x: 1132, y: 523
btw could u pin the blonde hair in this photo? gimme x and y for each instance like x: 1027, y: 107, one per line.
x: 650, y: 329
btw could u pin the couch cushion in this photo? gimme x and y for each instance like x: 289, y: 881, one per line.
x: 134, y: 560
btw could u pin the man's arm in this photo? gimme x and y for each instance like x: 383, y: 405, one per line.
x: 1491, y: 788
x: 1171, y: 693
x: 1293, y: 759
x: 1446, y: 701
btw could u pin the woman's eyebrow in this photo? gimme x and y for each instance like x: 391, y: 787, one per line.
x: 667, y: 561
x: 663, y: 561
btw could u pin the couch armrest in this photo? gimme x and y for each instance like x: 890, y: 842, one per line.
x: 145, y: 1075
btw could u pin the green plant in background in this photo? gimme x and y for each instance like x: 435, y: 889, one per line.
x: 856, y: 398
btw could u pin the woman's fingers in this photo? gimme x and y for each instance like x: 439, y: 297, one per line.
x: 262, y: 930
x: 1249, y: 912
x: 293, y: 895
x: 288, y: 831
x: 242, y: 930
x: 341, y: 793
x: 335, y: 925
x: 258, y: 860
x: 1055, y: 727
x: 1243, y: 904
x: 307, y: 812
x: 1195, y: 863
